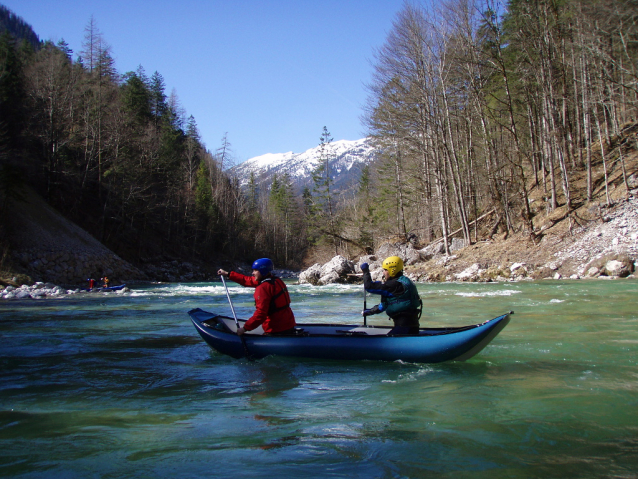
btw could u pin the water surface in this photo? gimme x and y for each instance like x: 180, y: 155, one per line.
x: 121, y: 385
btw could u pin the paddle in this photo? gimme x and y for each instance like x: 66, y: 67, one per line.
x: 232, y: 308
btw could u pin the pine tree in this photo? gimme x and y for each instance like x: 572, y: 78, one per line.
x: 63, y: 46
x: 157, y: 98
x: 136, y: 97
x: 325, y: 206
x: 192, y: 147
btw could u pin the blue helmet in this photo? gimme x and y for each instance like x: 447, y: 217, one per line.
x: 264, y: 266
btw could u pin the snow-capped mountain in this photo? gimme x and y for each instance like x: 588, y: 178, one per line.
x: 347, y: 160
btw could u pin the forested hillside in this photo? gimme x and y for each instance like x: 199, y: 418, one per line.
x: 482, y: 117
x: 118, y: 155
x: 476, y: 108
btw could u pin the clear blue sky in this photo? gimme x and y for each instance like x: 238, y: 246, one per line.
x: 270, y: 73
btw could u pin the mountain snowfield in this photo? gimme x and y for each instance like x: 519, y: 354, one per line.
x: 347, y: 161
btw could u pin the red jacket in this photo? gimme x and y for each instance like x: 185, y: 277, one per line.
x: 274, y: 315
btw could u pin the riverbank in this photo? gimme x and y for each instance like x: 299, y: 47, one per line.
x: 601, y: 242
x: 605, y: 238
x: 595, y: 240
x: 574, y: 249
x: 45, y: 247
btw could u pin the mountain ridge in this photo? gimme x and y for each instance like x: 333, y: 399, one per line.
x: 347, y: 159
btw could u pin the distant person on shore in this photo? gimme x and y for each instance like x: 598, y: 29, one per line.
x: 92, y: 283
x: 272, y: 301
x: 399, y: 297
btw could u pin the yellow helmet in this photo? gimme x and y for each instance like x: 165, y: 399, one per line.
x: 393, y: 265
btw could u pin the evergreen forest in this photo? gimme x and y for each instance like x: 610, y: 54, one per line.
x: 472, y: 105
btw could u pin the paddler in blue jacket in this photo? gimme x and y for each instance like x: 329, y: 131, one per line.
x: 399, y: 297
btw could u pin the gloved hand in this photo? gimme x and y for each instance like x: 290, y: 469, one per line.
x: 365, y: 267
x: 371, y: 311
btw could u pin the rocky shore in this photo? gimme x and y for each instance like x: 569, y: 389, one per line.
x: 604, y: 245
x: 45, y: 290
x: 46, y: 247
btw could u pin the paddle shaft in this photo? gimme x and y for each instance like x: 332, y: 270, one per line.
x: 232, y: 308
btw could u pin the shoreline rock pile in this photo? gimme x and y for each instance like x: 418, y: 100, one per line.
x: 41, y: 290
x: 613, y: 266
x: 36, y: 291
x: 615, y: 237
x: 605, y: 249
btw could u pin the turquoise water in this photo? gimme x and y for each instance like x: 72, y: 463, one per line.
x: 121, y: 385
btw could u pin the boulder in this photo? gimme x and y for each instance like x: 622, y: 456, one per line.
x: 516, y: 266
x: 38, y: 293
x: 618, y: 268
x: 329, y: 278
x: 519, y: 271
x: 593, y: 272
x: 372, y: 261
x: 339, y: 265
x: 469, y: 274
x: 376, y: 270
x: 337, y: 270
x: 618, y: 265
x: 311, y: 275
x: 405, y: 251
x: 432, y: 250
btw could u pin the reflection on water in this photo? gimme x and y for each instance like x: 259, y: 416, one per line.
x: 122, y: 386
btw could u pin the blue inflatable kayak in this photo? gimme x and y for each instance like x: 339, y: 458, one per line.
x: 347, y: 342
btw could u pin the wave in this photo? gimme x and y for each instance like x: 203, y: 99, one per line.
x: 505, y: 292
x: 215, y: 289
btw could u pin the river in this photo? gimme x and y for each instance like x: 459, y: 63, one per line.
x: 109, y: 385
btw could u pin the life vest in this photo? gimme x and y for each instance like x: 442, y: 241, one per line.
x: 408, y: 301
x: 281, y: 299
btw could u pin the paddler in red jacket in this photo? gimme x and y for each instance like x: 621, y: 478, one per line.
x: 272, y: 301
